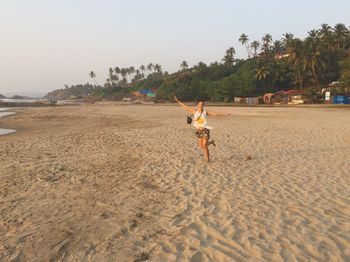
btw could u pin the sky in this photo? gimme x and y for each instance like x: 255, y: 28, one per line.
x: 45, y: 44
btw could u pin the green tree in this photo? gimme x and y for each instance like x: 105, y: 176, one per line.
x: 184, y: 65
x: 143, y: 70
x: 345, y: 69
x: 229, y: 56
x: 287, y: 39
x: 266, y: 46
x: 297, y: 59
x: 93, y: 76
x: 255, y: 47
x: 313, y: 59
x: 157, y: 68
x: 244, y: 40
x: 150, y: 67
x: 342, y: 35
x: 262, y: 73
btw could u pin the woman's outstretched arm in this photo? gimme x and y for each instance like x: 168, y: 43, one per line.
x: 217, y: 114
x: 184, y: 106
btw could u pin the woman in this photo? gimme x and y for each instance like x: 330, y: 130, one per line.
x: 200, y: 123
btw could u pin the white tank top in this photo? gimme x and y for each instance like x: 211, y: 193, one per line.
x: 200, y: 120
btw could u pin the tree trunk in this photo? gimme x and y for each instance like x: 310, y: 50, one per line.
x: 299, y: 79
x: 315, y: 77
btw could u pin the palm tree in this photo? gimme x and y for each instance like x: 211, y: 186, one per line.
x: 313, y: 33
x: 150, y: 67
x: 143, y: 69
x: 345, y: 69
x: 124, y: 72
x: 325, y: 29
x: 93, y: 75
x: 157, y: 68
x: 229, y: 56
x: 131, y: 69
x: 287, y: 38
x: 266, y: 42
x: 297, y: 59
x: 184, y: 65
x: 255, y: 46
x: 262, y: 73
x: 131, y: 72
x: 313, y: 57
x: 326, y: 35
x: 111, y: 75
x: 115, y: 78
x: 329, y: 47
x: 341, y: 34
x: 243, y: 39
x: 277, y: 47
x: 117, y: 70
x: 137, y: 76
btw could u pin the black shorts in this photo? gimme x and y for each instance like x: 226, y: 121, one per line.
x: 203, y: 133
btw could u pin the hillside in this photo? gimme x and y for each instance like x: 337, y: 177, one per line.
x: 20, y: 97
x: 272, y: 65
x: 71, y: 92
x: 2, y: 96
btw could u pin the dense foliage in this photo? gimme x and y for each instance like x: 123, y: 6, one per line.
x: 272, y: 65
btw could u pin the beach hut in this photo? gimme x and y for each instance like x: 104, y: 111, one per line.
x: 250, y: 100
x: 289, y: 97
x: 138, y: 94
x: 145, y: 91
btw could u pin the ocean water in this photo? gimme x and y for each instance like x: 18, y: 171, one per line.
x: 21, y: 100
x: 4, y: 112
x: 4, y: 131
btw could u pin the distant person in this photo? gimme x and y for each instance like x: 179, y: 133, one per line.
x: 53, y: 102
x: 200, y: 123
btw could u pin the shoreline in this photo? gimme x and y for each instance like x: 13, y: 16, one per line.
x: 5, y: 113
x: 190, y: 103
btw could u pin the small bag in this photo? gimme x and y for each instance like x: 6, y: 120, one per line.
x: 189, y: 119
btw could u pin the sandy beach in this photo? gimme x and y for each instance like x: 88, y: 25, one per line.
x: 128, y: 183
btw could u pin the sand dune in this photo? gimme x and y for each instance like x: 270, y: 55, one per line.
x: 128, y: 183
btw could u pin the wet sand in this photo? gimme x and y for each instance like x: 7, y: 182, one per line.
x: 128, y: 183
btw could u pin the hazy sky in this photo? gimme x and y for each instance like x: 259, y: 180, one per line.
x: 45, y: 44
